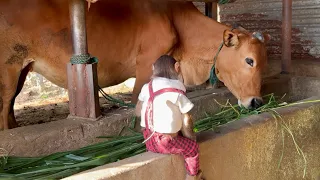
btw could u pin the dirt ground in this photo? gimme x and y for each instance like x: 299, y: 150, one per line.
x: 32, y: 107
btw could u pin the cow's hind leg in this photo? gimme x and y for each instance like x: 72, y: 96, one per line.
x: 143, y: 72
x: 11, y: 84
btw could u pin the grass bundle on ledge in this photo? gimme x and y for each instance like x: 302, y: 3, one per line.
x: 229, y: 113
x: 63, y: 164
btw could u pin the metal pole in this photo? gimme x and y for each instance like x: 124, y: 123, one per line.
x: 82, y: 78
x: 78, y: 26
x: 286, y: 64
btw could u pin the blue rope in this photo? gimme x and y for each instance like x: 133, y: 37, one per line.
x: 87, y: 59
x: 114, y: 100
x: 83, y: 59
x: 213, y: 77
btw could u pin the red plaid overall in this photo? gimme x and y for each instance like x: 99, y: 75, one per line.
x: 166, y: 144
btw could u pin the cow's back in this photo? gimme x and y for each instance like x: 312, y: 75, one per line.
x: 39, y: 31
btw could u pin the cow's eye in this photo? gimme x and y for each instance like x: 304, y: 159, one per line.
x: 249, y: 61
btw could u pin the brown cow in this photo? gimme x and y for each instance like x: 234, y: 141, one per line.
x: 127, y: 37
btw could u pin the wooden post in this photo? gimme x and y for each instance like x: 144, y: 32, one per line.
x: 286, y: 64
x: 82, y: 78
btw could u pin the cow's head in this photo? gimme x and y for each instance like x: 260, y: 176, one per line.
x: 239, y: 65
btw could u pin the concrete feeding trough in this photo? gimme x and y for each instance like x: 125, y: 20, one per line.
x: 256, y: 147
x: 249, y: 148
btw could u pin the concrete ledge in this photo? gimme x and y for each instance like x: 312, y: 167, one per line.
x: 69, y: 134
x: 145, y: 166
x: 62, y: 135
x: 247, y: 149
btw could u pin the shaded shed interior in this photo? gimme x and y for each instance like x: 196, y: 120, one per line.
x: 266, y: 16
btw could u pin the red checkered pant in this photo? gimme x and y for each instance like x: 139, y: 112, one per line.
x: 165, y: 144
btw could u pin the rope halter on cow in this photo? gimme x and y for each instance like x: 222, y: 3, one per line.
x: 213, y: 77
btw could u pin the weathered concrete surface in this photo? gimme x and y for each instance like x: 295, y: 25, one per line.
x: 146, y: 166
x: 294, y: 88
x: 247, y: 149
x: 244, y: 151
x: 62, y: 135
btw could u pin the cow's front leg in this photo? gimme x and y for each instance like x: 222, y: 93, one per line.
x: 143, y: 73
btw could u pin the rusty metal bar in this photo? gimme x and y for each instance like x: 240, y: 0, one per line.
x: 211, y: 10
x: 208, y: 9
x: 82, y: 78
x: 214, y: 9
x: 286, y: 64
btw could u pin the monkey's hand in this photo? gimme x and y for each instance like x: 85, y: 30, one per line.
x: 138, y: 108
x: 187, y: 124
x: 89, y: 3
x: 187, y: 127
x: 92, y: 1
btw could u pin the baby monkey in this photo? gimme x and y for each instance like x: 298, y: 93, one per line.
x: 164, y: 109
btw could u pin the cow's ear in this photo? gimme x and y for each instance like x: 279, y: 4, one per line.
x: 230, y: 38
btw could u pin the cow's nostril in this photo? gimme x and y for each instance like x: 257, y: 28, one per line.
x: 256, y: 103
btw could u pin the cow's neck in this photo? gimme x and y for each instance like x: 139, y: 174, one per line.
x: 199, y: 36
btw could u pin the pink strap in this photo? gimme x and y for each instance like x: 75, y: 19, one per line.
x: 152, y: 95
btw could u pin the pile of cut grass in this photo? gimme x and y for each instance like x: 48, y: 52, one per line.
x: 229, y: 113
x: 63, y: 164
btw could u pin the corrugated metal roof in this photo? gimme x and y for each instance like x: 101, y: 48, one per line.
x: 200, y: 6
x: 266, y: 15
